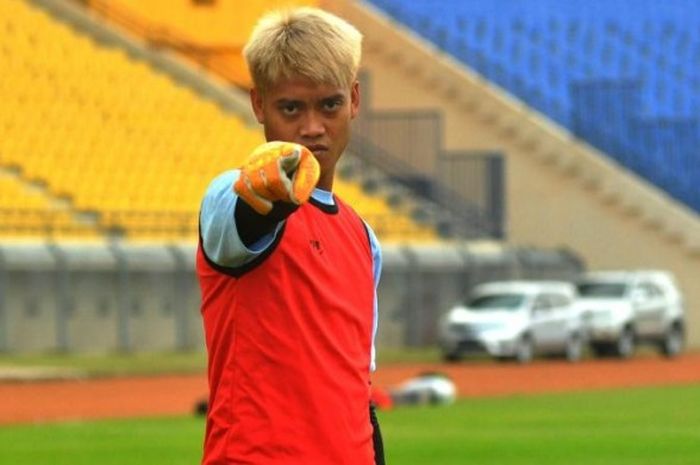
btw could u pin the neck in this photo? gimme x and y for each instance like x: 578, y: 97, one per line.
x: 325, y: 182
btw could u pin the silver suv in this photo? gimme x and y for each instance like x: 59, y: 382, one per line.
x: 514, y: 319
x: 624, y: 308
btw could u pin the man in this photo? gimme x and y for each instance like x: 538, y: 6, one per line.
x: 288, y: 271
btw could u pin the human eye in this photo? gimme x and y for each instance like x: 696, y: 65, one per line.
x: 289, y: 108
x: 332, y: 104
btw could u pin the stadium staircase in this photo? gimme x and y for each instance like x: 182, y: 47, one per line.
x: 561, y: 190
x: 121, y: 134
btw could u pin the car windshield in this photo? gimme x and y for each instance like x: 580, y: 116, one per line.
x: 496, y: 301
x: 602, y: 290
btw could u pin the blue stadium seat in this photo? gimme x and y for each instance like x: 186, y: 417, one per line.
x: 622, y: 74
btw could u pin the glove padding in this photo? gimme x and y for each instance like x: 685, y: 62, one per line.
x: 277, y: 171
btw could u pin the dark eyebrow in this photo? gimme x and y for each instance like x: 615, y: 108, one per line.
x: 286, y: 101
x: 338, y: 96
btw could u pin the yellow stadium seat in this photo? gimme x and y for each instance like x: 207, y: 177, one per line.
x: 117, y: 138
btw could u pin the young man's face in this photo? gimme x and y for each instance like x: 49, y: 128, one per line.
x: 315, y: 115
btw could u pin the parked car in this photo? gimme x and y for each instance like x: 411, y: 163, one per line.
x: 514, y: 319
x: 625, y: 308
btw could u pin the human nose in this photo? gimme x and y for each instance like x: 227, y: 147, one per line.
x: 312, y: 126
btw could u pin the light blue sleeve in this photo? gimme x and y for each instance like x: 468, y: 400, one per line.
x: 220, y: 238
x: 377, y: 271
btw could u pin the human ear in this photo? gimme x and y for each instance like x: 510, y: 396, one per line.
x: 256, y: 101
x: 354, y: 99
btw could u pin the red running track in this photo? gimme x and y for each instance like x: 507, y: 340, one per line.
x: 44, y: 401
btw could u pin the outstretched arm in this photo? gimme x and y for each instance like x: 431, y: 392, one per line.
x: 243, y: 210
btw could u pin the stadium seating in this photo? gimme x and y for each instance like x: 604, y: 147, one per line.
x: 25, y: 211
x: 628, y: 83
x: 117, y: 138
x: 209, y: 33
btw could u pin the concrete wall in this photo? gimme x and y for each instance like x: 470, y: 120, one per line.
x: 134, y: 298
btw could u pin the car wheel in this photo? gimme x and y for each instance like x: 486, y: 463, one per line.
x: 524, y: 351
x: 624, y: 347
x: 452, y: 357
x: 673, y: 341
x: 601, y: 350
x: 574, y: 348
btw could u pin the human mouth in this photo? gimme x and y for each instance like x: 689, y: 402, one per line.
x: 317, y: 149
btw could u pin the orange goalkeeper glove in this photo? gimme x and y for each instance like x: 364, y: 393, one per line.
x: 277, y: 171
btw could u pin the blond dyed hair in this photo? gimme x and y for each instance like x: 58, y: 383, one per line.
x: 306, y: 42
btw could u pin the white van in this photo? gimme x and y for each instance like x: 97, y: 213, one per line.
x: 514, y: 319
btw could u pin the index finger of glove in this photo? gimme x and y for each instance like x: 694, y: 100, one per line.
x: 305, y: 177
x: 277, y: 180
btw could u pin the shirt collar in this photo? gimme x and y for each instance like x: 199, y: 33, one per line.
x: 323, y: 196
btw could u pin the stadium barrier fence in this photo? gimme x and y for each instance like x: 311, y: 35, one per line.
x: 128, y: 297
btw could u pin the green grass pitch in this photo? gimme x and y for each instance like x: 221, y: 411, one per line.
x: 640, y: 426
